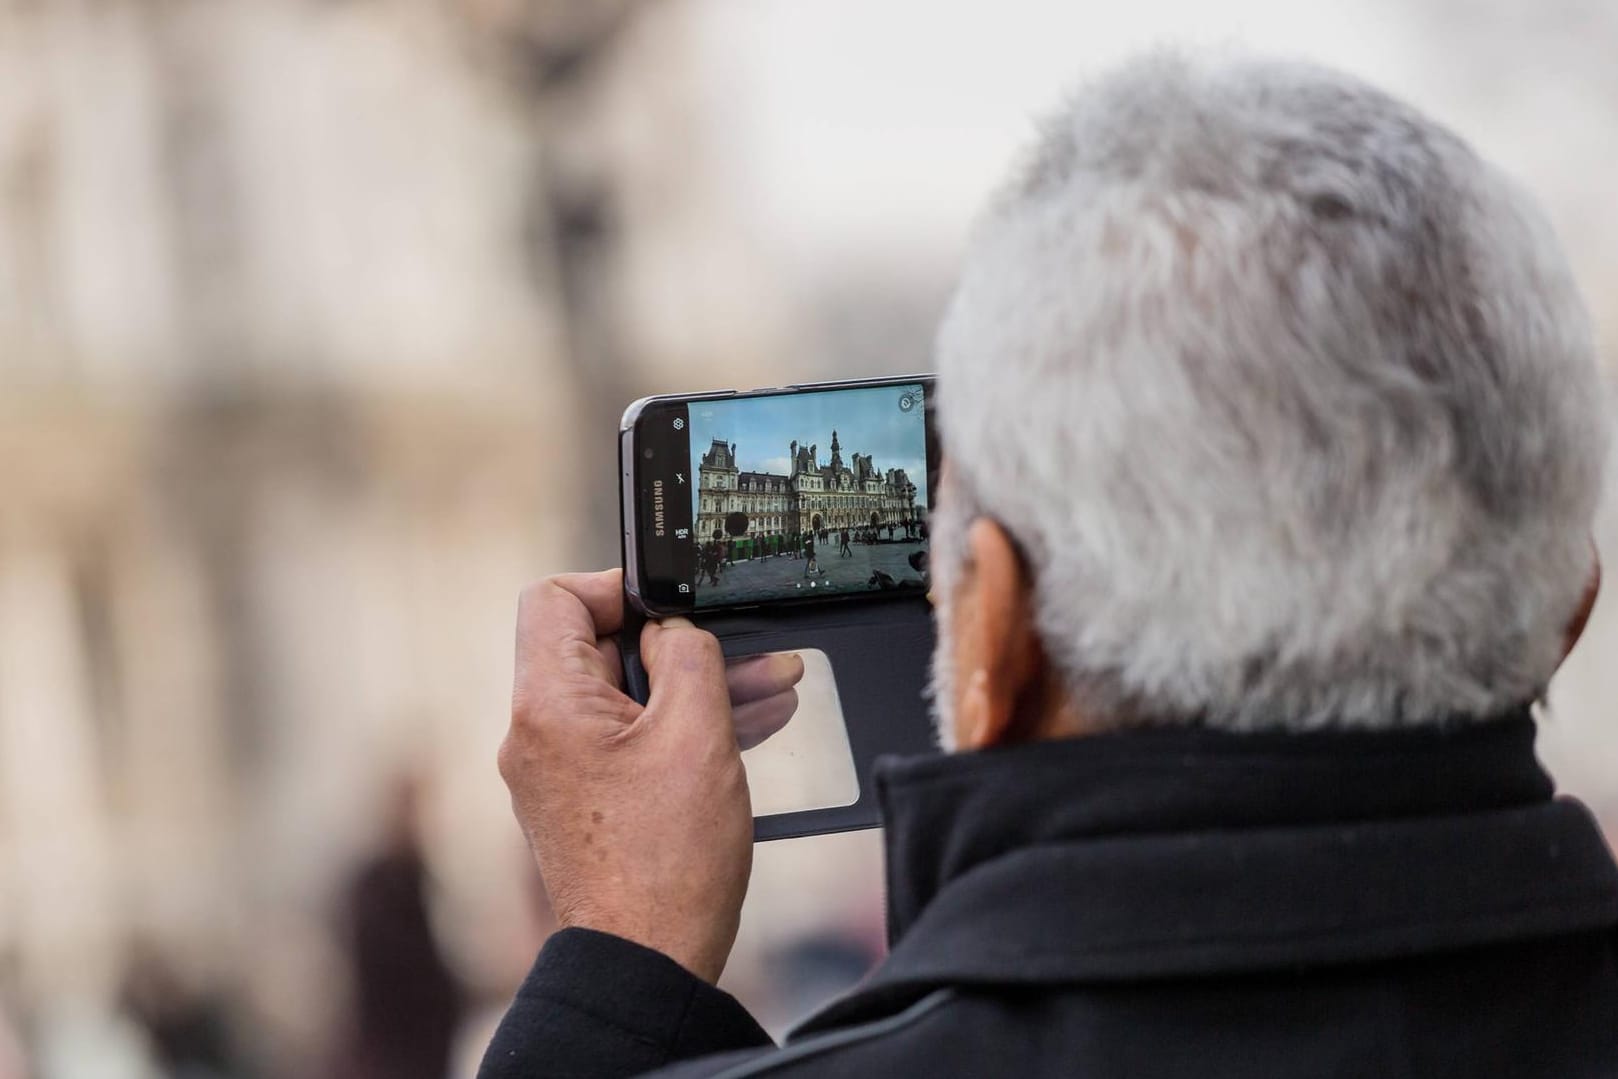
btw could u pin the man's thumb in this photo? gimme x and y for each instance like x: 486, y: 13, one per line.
x: 685, y: 669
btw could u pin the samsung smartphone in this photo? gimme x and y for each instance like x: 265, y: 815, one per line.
x: 803, y: 494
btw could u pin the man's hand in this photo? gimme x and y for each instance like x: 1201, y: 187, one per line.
x: 639, y: 817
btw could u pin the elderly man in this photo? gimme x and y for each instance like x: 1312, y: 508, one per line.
x: 1272, y: 444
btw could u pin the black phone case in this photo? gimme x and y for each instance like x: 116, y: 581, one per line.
x: 879, y: 647
x: 879, y: 650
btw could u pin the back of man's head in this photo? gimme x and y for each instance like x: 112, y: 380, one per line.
x: 1288, y: 399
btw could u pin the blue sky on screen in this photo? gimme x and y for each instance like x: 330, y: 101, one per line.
x: 867, y: 420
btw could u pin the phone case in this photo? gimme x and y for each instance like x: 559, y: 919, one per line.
x: 879, y: 652
x: 879, y: 649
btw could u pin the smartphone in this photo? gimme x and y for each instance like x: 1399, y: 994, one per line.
x: 798, y: 494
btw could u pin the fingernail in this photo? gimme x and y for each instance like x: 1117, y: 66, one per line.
x: 675, y: 622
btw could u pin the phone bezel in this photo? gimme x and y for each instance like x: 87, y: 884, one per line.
x: 629, y: 500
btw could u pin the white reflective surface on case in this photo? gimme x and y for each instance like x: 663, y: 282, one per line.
x: 808, y: 763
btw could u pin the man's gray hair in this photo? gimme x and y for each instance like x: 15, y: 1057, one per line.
x: 1289, y: 399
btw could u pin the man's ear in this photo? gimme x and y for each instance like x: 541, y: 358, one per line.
x: 999, y: 663
x: 1587, y: 603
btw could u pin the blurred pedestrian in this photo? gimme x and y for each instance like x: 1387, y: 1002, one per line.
x: 187, y: 1026
x: 407, y: 1002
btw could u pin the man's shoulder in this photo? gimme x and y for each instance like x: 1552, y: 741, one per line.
x: 1281, y: 1024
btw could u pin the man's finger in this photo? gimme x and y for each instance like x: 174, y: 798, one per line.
x: 613, y: 660
x: 558, y: 627
x: 685, y: 670
x: 758, y: 677
x: 758, y: 720
x: 602, y: 595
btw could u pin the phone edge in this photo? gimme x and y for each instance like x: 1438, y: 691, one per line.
x: 627, y: 522
x: 626, y: 459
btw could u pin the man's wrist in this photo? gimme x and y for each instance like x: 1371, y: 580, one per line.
x: 596, y: 1004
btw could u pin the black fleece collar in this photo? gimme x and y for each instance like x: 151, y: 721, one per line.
x: 1176, y: 853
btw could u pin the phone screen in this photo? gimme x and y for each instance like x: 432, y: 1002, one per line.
x: 762, y: 498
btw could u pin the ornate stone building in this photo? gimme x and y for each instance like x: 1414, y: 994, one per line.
x: 812, y: 497
x: 283, y: 385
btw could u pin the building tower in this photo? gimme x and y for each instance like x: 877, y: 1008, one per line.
x: 716, y: 482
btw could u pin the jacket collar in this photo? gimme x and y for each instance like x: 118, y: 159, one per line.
x: 1174, y: 853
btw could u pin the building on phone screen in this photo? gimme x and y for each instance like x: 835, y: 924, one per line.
x: 814, y: 497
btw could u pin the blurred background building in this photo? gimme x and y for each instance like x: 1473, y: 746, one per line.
x: 316, y: 319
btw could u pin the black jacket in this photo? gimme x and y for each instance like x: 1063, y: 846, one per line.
x: 1171, y: 904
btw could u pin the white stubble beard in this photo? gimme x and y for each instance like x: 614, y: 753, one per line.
x: 941, y: 684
